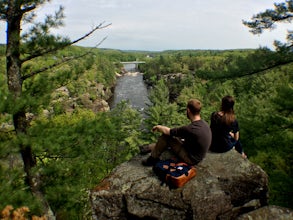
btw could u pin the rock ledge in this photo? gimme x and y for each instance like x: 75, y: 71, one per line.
x: 226, y: 186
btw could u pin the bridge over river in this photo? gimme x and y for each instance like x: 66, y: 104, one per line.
x: 131, y: 66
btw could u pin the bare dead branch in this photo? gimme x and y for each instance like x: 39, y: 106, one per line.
x: 98, y: 27
x: 98, y: 44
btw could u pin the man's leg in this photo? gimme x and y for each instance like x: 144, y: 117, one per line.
x: 178, y: 148
x: 156, y: 150
x: 160, y: 146
x: 147, y: 148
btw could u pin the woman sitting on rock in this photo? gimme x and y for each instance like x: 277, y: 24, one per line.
x: 225, y: 128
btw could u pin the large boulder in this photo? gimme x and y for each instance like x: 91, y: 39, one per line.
x: 225, y: 187
x: 270, y: 212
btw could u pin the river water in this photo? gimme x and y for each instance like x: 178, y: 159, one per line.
x: 130, y: 87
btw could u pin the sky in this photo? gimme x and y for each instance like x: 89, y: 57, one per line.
x: 157, y: 25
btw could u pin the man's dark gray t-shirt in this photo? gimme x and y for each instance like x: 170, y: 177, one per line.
x: 197, y: 138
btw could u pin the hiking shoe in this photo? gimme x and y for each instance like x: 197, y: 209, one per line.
x: 150, y: 161
x: 145, y: 149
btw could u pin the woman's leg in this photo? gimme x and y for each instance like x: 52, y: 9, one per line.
x: 238, y: 147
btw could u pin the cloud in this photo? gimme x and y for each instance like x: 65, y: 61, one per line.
x: 165, y: 24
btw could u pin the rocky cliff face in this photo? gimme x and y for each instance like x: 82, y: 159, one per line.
x: 94, y: 98
x: 226, y: 186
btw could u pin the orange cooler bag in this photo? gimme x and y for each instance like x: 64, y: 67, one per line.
x: 174, y: 174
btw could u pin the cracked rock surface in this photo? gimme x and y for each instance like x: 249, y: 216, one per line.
x: 226, y: 186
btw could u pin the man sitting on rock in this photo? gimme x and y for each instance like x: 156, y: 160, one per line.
x: 189, y: 143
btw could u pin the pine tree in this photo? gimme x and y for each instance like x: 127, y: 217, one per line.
x: 160, y: 111
x: 23, y: 49
x: 282, y: 12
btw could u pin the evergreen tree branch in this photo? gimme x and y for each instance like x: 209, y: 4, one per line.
x: 254, y: 72
x: 266, y: 20
x: 28, y: 8
x: 4, y: 7
x: 64, y: 45
x: 55, y: 157
x: 266, y: 68
x: 3, y: 12
x: 64, y: 60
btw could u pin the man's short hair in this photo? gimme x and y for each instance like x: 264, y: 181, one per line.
x: 194, y: 106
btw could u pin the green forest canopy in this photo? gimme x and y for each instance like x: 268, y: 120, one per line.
x: 67, y: 147
x: 68, y: 140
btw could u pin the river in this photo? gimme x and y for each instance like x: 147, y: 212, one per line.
x: 130, y: 87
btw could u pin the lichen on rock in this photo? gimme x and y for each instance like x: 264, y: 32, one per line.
x: 225, y: 187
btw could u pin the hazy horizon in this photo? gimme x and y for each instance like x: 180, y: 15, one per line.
x: 149, y: 25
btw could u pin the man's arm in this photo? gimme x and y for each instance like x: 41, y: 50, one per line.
x: 162, y: 129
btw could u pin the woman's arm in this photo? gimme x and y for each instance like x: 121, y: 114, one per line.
x: 235, y: 135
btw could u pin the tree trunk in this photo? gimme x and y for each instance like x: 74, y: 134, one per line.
x: 13, y: 61
x: 33, y: 180
x: 14, y: 81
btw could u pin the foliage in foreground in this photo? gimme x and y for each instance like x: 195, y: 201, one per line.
x: 22, y: 213
x: 74, y: 152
